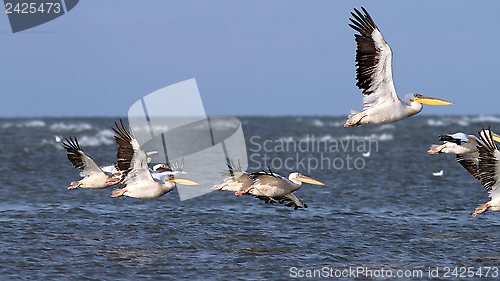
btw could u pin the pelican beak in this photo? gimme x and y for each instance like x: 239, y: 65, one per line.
x: 430, y: 101
x: 184, y: 181
x: 309, y: 180
x: 184, y: 172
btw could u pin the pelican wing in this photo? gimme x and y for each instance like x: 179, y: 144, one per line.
x: 290, y: 200
x: 373, y: 61
x: 469, y: 163
x: 489, y: 157
x: 79, y: 159
x: 266, y: 179
x: 132, y: 160
x: 235, y: 173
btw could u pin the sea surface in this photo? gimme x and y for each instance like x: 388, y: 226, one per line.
x: 383, y: 215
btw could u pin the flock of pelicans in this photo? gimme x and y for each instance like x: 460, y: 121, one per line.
x: 479, y: 156
x: 138, y: 180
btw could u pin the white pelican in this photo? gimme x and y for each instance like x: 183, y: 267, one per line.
x: 489, y: 168
x: 95, y: 177
x: 374, y: 76
x: 138, y: 181
x: 267, y: 186
x: 464, y: 147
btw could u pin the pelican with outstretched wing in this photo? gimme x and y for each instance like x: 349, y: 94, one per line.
x: 464, y: 147
x: 137, y: 180
x: 374, y: 78
x: 489, y: 169
x: 94, y: 177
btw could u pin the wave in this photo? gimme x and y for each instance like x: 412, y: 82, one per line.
x: 103, y: 137
x: 312, y: 138
x: 385, y: 127
x: 319, y: 123
x: 61, y: 126
x: 462, y: 121
x: 27, y: 124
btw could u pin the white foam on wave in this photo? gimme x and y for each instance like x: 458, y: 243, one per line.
x: 489, y: 119
x: 312, y: 138
x: 462, y: 121
x: 386, y: 127
x: 27, y: 124
x: 319, y: 123
x: 156, y: 129
x: 104, y: 137
x: 61, y: 126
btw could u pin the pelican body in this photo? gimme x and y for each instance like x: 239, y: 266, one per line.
x: 138, y: 180
x: 374, y: 78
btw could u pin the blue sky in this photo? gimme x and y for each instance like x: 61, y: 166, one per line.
x: 248, y: 57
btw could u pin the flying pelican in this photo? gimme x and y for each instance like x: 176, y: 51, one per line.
x: 489, y: 168
x: 464, y: 147
x: 138, y: 181
x: 267, y: 186
x: 374, y: 76
x: 95, y: 177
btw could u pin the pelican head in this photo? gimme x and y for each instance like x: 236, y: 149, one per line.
x: 302, y: 178
x: 426, y: 100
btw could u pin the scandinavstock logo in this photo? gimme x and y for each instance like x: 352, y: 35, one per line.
x: 172, y: 121
x: 30, y: 13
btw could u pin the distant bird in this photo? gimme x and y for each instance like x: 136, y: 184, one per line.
x: 464, y: 147
x: 366, y: 154
x: 137, y: 180
x: 374, y: 76
x: 95, y: 177
x: 267, y: 186
x: 489, y: 169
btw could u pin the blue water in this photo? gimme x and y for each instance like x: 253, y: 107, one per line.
x: 387, y: 214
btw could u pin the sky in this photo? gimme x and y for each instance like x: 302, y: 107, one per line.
x: 259, y: 57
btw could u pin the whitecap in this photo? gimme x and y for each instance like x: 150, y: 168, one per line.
x: 318, y: 123
x: 489, y: 119
x: 61, y: 126
x: 312, y: 138
x: 27, y: 124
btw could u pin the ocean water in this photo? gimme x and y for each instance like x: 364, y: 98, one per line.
x: 384, y: 215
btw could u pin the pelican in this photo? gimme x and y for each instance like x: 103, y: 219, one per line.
x: 138, y: 180
x: 374, y: 76
x: 489, y: 169
x: 267, y: 186
x: 95, y: 177
x: 464, y: 147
